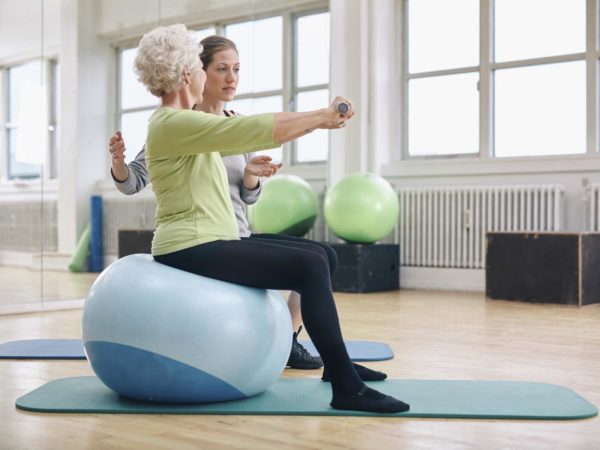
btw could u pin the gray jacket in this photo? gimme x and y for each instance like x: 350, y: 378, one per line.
x: 240, y: 196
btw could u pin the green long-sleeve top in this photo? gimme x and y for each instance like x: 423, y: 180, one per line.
x: 183, y: 152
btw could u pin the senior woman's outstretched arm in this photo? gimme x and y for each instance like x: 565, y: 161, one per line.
x: 290, y: 125
x: 173, y: 132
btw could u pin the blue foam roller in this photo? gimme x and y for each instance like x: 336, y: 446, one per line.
x: 96, y: 235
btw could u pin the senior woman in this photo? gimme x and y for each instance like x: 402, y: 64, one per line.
x: 196, y: 227
x: 221, y: 63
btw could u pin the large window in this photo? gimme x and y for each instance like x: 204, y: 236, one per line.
x: 508, y: 82
x: 272, y: 79
x: 30, y: 120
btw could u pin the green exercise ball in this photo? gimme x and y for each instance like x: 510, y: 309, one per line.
x: 287, y: 205
x: 361, y: 208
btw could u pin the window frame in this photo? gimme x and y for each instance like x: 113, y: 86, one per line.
x: 486, y: 70
x: 49, y: 169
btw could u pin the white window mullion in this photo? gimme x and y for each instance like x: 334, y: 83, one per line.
x: 3, y: 127
x: 48, y: 81
x: 592, y: 76
x: 289, y: 42
x: 486, y: 79
x: 119, y: 83
x: 404, y: 154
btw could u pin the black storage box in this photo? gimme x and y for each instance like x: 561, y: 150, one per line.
x: 367, y: 268
x: 543, y: 267
x: 135, y: 241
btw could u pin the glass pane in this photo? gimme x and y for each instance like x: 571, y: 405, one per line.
x: 443, y: 115
x: 536, y: 28
x: 260, y: 45
x: 249, y: 106
x: 201, y: 34
x: 133, y: 93
x: 17, y: 169
x: 134, y: 127
x: 312, y: 43
x: 19, y: 80
x: 28, y: 110
x: 540, y: 110
x: 314, y: 146
x: 442, y: 34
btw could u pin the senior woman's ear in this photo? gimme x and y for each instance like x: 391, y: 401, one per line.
x: 187, y: 77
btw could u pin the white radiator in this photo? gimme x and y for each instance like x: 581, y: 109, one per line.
x: 594, y: 206
x: 125, y: 213
x: 29, y: 226
x: 446, y: 226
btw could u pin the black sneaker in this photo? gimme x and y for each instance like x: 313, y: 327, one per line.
x: 300, y: 358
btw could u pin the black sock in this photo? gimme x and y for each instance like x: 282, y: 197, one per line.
x: 363, y: 372
x: 342, y: 373
x: 368, y: 400
x: 349, y: 392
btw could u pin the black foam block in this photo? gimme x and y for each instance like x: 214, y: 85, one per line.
x: 367, y: 268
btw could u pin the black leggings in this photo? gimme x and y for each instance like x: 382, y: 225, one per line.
x: 281, y: 263
x: 331, y: 254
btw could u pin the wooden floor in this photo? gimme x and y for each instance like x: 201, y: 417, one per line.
x: 435, y: 335
x: 22, y: 286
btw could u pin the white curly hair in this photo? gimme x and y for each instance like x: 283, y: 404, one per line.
x: 162, y: 56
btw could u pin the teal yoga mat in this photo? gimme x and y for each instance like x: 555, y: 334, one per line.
x: 73, y: 349
x: 310, y: 396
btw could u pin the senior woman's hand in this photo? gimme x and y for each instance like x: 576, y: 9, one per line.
x: 337, y: 119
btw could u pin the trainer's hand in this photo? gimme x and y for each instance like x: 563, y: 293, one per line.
x: 261, y: 166
x: 116, y: 146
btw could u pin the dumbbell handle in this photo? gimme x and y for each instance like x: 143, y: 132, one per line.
x: 343, y: 108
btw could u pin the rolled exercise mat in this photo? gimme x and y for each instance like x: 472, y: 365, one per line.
x: 73, y: 349
x: 360, y: 350
x: 79, y: 258
x: 43, y: 349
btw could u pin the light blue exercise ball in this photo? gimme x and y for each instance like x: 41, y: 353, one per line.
x: 155, y: 333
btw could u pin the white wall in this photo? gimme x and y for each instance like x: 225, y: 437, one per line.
x: 87, y: 78
x: 21, y: 29
x: 122, y: 19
